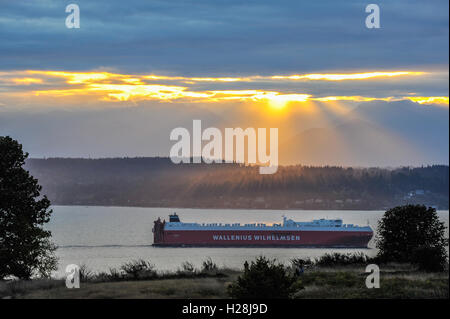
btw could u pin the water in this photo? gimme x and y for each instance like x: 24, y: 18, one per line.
x: 104, y: 237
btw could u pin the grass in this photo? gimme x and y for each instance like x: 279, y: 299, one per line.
x: 341, y: 280
x: 397, y: 281
x: 193, y: 287
x: 170, y: 288
x: 351, y: 286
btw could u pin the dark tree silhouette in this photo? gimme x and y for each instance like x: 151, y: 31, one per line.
x: 410, y: 233
x: 25, y: 246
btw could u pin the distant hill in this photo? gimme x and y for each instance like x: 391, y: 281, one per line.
x: 375, y: 133
x: 156, y: 182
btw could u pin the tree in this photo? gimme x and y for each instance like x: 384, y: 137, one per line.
x: 25, y: 246
x: 264, y: 279
x: 406, y: 233
x: 430, y: 258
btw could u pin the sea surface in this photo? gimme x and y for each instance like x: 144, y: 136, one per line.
x: 107, y: 237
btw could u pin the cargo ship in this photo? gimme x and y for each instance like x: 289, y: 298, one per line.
x: 316, y: 233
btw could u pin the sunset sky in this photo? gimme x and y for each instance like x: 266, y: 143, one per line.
x: 142, y: 68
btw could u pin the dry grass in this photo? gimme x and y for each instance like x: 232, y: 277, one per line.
x: 171, y: 288
x: 397, y: 281
x: 159, y: 288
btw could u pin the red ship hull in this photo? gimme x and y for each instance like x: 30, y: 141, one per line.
x: 246, y: 238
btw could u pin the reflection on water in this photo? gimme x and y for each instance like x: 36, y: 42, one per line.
x: 104, y: 237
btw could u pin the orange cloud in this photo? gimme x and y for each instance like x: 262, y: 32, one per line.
x: 346, y: 76
x: 127, y: 87
x: 442, y: 100
x: 26, y: 81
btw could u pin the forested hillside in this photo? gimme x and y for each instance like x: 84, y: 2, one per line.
x: 156, y: 182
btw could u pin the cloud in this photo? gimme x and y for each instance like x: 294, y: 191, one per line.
x: 136, y: 69
x: 231, y: 37
x: 107, y: 86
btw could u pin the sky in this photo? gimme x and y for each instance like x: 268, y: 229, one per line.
x: 145, y: 67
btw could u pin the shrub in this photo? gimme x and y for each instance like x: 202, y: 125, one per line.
x: 187, y: 267
x: 338, y: 259
x: 85, y: 273
x: 114, y: 274
x: 264, y: 278
x: 138, y: 269
x: 303, y: 263
x: 102, y: 277
x: 209, y: 265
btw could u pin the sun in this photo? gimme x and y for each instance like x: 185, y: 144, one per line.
x: 280, y: 101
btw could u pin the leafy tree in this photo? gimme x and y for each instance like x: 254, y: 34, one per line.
x: 405, y: 233
x: 25, y: 246
x: 264, y: 278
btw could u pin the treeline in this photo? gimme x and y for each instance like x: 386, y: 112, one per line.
x: 157, y: 182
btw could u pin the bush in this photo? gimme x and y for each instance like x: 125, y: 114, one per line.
x: 209, y: 265
x: 302, y: 263
x: 85, y: 273
x: 411, y: 234
x: 338, y: 259
x: 264, y: 278
x: 187, y: 267
x: 138, y: 269
x: 114, y: 274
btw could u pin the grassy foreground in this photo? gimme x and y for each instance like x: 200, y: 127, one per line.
x: 396, y: 281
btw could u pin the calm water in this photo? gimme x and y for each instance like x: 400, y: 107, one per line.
x: 104, y: 237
